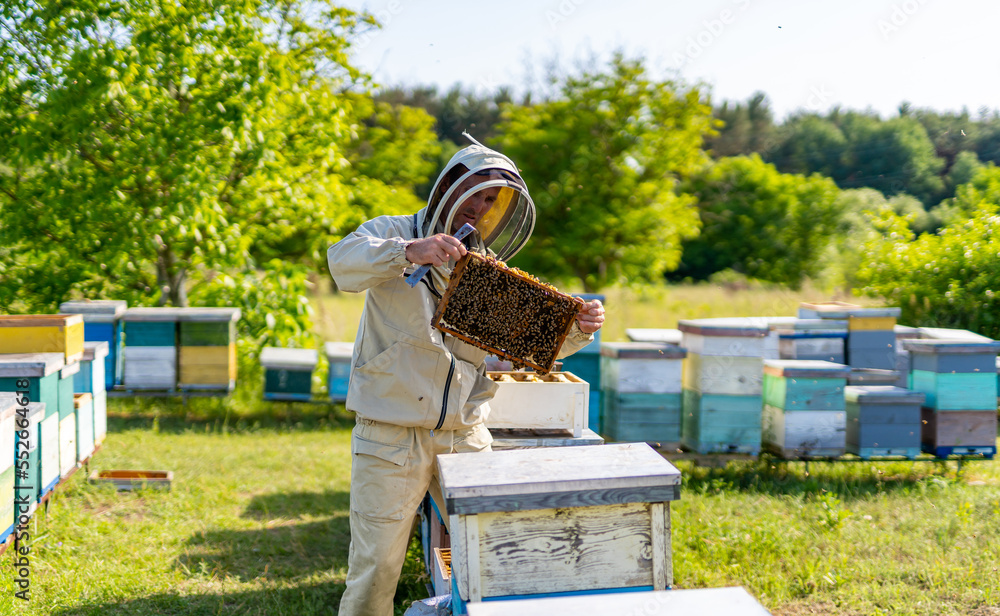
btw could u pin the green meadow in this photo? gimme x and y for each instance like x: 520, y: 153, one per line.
x: 256, y: 521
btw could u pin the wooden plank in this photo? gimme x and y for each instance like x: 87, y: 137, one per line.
x: 944, y: 333
x: 151, y: 315
x: 959, y: 428
x: 802, y: 394
x: 582, y: 498
x: 723, y: 375
x: 881, y: 394
x: 460, y: 553
x: 843, y: 310
x: 473, y: 562
x: 668, y: 336
x: 114, y: 308
x: 641, y: 375
x: 660, y: 546
x: 585, y: 472
x: 288, y: 359
x: 958, y: 362
x: 805, y: 369
x: 958, y: 392
x: 730, y: 327
x: 873, y: 377
x: 531, y: 439
x: 642, y: 350
x: 565, y: 550
x: 693, y: 602
x: 729, y: 346
x: 856, y: 323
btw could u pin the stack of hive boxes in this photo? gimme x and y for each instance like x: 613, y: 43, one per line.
x: 28, y: 450
x: 8, y: 416
x: 102, y: 323
x: 573, y: 520
x: 338, y: 357
x: 288, y: 373
x: 41, y: 371
x: 206, y: 356
x: 150, y: 353
x: 883, y: 421
x: 804, y: 412
x: 586, y: 364
x: 722, y: 381
x: 91, y: 380
x: 641, y: 385
x: 871, y: 340
x: 959, y: 381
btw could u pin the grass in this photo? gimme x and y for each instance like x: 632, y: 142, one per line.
x: 257, y: 520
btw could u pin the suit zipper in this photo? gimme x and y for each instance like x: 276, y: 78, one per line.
x: 444, y: 403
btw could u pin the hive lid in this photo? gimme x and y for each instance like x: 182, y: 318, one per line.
x: 208, y: 314
x: 806, y: 369
x: 823, y: 324
x: 845, y: 310
x: 731, y: 601
x: 953, y: 347
x: 30, y: 365
x: 745, y: 327
x: 340, y: 350
x: 642, y: 350
x: 669, y: 336
x: 551, y: 477
x: 905, y: 332
x: 152, y: 314
x: 69, y: 369
x: 945, y: 333
x: 882, y: 394
x: 112, y: 308
x: 95, y: 349
x: 289, y: 359
x: 40, y: 320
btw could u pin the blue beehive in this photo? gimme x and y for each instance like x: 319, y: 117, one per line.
x: 641, y: 385
x: 338, y: 356
x: 102, y: 323
x: 883, y: 421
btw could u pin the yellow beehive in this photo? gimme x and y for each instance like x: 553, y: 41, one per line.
x: 42, y: 333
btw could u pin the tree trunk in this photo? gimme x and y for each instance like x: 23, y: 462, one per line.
x: 170, y: 279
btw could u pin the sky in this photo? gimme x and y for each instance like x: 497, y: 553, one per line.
x: 804, y: 54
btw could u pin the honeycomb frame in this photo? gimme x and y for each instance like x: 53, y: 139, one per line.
x: 519, y: 313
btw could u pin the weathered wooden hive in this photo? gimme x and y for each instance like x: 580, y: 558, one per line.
x: 642, y: 385
x: 558, y: 520
x: 506, y: 312
x: 804, y: 409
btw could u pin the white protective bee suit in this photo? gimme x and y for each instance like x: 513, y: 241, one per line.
x: 417, y: 392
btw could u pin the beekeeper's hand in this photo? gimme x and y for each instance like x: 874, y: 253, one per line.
x: 435, y: 250
x: 591, y: 316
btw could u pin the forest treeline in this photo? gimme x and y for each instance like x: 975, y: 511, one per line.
x: 208, y: 153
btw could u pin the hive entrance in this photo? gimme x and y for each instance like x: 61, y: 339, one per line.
x: 505, y: 311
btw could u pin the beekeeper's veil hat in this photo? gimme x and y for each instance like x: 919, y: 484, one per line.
x: 508, y: 223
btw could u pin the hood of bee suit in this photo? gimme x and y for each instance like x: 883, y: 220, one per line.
x: 477, y: 172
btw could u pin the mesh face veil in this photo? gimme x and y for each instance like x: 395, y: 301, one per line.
x: 481, y: 187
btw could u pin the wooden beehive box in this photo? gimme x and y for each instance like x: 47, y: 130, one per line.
x: 731, y: 601
x: 288, y: 373
x: 150, y: 353
x: 527, y: 401
x: 42, y: 333
x: 956, y: 375
x: 28, y: 424
x: 568, y: 519
x: 206, y: 354
x: 883, y: 421
x: 102, y: 322
x: 505, y: 312
x: 84, y: 426
x: 338, y: 356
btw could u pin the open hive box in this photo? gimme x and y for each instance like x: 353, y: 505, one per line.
x: 505, y: 311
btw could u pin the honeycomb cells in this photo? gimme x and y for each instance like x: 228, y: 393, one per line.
x: 506, y: 311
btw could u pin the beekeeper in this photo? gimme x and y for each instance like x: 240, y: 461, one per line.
x: 418, y: 392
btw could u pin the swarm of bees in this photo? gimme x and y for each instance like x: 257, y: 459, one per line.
x: 506, y: 311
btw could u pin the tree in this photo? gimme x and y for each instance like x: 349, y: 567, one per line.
x: 810, y: 144
x: 745, y: 128
x: 151, y: 149
x: 948, y: 279
x: 602, y: 163
x: 762, y: 223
